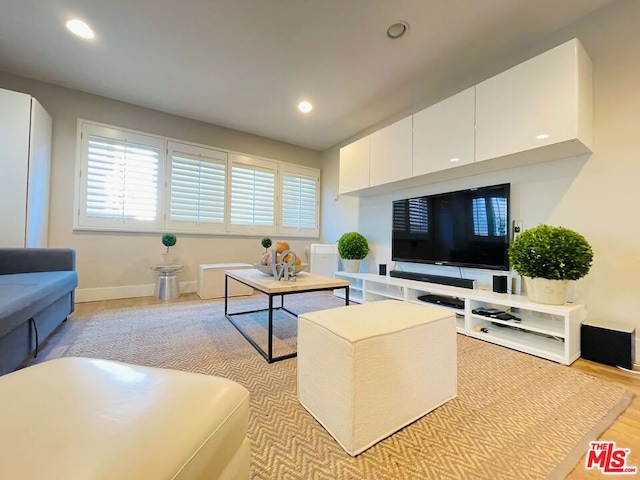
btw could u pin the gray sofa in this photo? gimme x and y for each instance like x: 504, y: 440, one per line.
x: 36, y: 295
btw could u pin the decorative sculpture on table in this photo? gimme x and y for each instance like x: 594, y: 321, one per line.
x: 280, y: 261
x: 284, y: 269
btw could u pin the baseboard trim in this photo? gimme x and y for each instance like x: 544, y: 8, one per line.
x: 126, y: 291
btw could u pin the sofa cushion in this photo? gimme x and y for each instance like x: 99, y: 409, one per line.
x: 23, y: 295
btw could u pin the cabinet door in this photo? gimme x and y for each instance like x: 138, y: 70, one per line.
x: 14, y: 154
x: 531, y: 105
x: 354, y: 165
x: 391, y: 153
x: 444, y: 134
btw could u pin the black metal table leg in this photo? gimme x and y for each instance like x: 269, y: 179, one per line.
x: 268, y: 355
x: 226, y: 293
x: 270, y: 347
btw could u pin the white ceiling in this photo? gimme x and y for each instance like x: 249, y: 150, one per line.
x: 245, y: 64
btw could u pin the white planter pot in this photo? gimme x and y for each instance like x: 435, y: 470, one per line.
x: 351, y: 266
x: 543, y: 290
x: 169, y: 259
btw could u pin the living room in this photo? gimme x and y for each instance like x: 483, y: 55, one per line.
x: 591, y: 194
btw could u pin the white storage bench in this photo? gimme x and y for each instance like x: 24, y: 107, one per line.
x: 366, y: 371
x: 211, y: 281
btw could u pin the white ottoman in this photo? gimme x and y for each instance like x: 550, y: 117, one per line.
x: 80, y: 418
x: 366, y: 371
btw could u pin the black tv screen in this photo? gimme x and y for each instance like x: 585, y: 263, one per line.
x: 469, y: 228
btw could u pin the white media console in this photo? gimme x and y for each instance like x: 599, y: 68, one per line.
x: 547, y: 331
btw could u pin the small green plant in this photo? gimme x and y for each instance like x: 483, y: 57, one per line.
x: 169, y: 240
x: 266, y: 243
x: 554, y: 253
x: 353, y: 246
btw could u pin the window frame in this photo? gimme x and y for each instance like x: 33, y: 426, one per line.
x: 163, y: 203
x: 254, y: 162
x: 300, y: 172
x: 110, y: 133
x: 204, y: 153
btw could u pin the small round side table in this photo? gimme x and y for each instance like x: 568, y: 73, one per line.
x: 167, y: 287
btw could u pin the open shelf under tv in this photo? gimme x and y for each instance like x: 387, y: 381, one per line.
x: 547, y: 331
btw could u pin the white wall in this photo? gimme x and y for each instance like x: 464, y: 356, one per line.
x: 113, y: 261
x: 596, y: 195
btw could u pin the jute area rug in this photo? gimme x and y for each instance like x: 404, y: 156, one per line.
x: 515, y: 416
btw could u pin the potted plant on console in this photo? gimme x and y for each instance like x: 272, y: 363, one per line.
x: 352, y: 247
x: 548, y: 257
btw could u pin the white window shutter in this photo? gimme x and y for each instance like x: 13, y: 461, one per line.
x: 120, y: 185
x: 299, y: 201
x: 196, y: 190
x: 252, y: 204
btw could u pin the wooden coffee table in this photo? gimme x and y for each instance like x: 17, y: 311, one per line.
x: 304, y: 283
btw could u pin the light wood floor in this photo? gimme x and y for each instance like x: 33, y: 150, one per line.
x: 625, y: 431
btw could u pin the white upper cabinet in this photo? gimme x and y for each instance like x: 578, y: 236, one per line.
x: 543, y: 102
x: 354, y: 166
x: 444, y: 133
x: 537, y: 111
x: 391, y: 153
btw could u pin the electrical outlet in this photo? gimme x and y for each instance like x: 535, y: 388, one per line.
x: 517, y: 228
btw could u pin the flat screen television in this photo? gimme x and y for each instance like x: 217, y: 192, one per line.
x: 469, y: 228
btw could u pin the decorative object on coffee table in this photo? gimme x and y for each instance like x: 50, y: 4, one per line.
x: 548, y: 257
x: 266, y: 243
x: 352, y: 247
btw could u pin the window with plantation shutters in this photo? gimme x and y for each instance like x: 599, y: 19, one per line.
x: 120, y: 179
x: 299, y: 201
x: 196, y: 188
x: 252, y: 200
x: 131, y: 181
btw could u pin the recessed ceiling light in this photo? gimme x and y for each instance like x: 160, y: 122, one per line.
x: 305, y: 107
x: 80, y: 28
x: 542, y: 136
x: 454, y: 160
x: 397, y: 30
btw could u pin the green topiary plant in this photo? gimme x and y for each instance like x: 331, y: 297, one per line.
x: 554, y: 253
x: 266, y: 243
x: 169, y: 240
x: 353, y: 246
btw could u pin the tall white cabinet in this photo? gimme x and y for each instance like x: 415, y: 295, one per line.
x: 25, y: 153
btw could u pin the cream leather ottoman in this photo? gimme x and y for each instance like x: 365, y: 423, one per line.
x: 79, y: 418
x: 366, y: 371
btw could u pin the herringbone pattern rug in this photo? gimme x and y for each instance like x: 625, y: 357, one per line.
x: 516, y: 416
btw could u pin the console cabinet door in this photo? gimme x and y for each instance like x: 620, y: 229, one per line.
x: 444, y: 134
x: 354, y: 166
x: 391, y: 153
x: 543, y: 101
